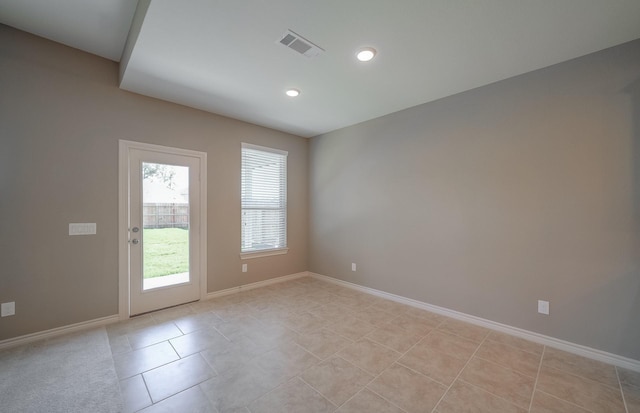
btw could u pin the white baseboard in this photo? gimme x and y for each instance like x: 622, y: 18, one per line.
x: 41, y: 335
x: 574, y: 348
x: 567, y: 346
x: 258, y: 284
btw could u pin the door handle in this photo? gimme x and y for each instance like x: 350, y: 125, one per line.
x: 135, y: 241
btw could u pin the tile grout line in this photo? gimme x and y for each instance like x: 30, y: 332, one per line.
x: 379, y: 395
x: 487, y: 338
x: 493, y: 340
x: 415, y: 344
x: 624, y: 400
x: 372, y: 391
x: 402, y: 354
x: 352, y: 311
x: 422, y: 374
x: 379, y: 374
x: 590, y: 380
x: 490, y: 393
x: 153, y: 368
x: 535, y: 384
x: 511, y: 369
x: 148, y: 392
x: 383, y: 345
x: 174, y: 349
x: 322, y: 394
x: 567, y: 401
x: 175, y: 394
x: 459, y: 373
x: 298, y: 376
x: 209, y: 364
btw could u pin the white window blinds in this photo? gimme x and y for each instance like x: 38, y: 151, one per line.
x: 264, y: 199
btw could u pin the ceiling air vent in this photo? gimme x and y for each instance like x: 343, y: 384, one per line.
x: 301, y: 45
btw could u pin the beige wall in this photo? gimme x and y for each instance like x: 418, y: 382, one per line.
x: 61, y: 116
x: 489, y: 200
x: 482, y: 202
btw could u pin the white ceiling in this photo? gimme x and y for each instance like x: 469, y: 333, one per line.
x: 223, y: 56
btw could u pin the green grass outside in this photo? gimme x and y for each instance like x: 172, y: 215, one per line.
x: 166, y: 251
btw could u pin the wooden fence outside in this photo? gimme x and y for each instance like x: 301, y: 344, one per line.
x: 158, y: 215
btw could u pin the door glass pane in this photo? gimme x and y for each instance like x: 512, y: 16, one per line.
x: 165, y: 238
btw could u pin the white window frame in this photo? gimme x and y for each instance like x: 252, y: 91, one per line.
x: 271, y: 251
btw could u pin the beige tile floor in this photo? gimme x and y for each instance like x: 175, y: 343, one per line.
x: 311, y: 346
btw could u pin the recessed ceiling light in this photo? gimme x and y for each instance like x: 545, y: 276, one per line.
x: 365, y: 54
x: 292, y: 92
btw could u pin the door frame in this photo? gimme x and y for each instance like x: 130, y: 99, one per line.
x: 124, y: 283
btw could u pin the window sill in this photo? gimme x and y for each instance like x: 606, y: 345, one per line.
x: 263, y: 253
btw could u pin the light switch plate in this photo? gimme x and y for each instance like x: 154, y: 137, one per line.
x: 543, y: 307
x: 8, y: 309
x: 83, y: 228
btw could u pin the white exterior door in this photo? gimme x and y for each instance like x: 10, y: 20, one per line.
x: 164, y: 227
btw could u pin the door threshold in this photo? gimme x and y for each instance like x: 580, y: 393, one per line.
x: 162, y: 309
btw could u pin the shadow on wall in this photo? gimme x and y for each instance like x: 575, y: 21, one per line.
x: 619, y: 295
x: 634, y: 91
x: 632, y: 322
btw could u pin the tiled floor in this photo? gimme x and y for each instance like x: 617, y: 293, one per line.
x: 310, y: 346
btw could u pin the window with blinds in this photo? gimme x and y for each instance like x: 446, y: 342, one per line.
x: 264, y: 201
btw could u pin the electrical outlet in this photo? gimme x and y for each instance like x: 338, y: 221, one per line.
x: 244, y: 267
x: 353, y: 266
x: 7, y: 309
x: 543, y: 307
